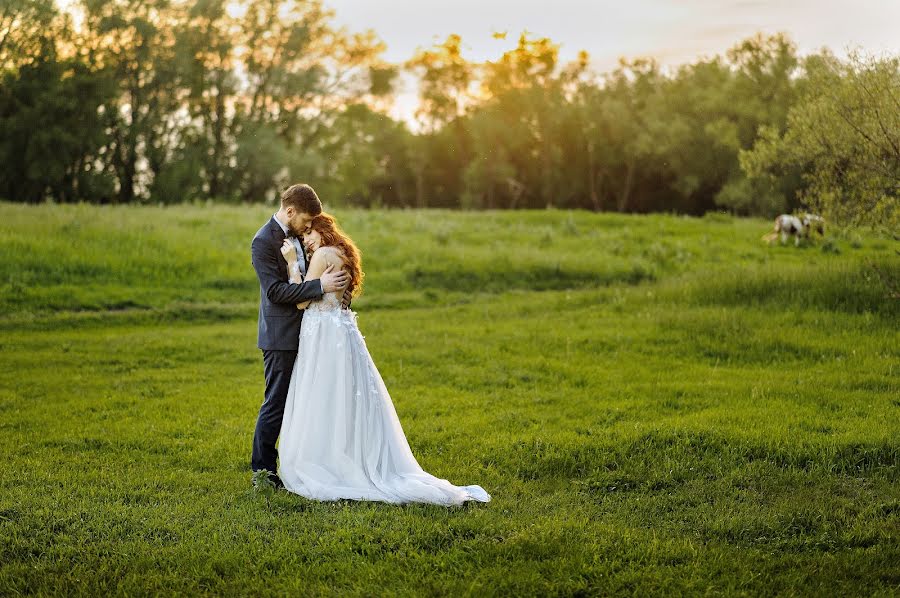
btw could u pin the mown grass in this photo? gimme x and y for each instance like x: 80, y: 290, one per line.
x: 656, y: 404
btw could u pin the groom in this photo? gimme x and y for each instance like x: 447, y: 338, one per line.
x: 279, y: 318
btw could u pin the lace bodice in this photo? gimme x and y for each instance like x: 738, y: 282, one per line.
x: 327, y: 311
x: 328, y: 302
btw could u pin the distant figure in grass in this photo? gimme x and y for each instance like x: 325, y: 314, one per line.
x: 340, y: 435
x: 798, y: 227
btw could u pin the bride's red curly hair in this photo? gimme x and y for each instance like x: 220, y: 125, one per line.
x: 334, y: 236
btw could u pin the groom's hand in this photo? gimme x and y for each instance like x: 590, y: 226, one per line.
x: 333, y: 281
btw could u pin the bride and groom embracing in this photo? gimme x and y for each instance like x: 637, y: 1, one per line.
x: 340, y: 437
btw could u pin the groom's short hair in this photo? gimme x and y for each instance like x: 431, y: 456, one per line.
x: 302, y: 198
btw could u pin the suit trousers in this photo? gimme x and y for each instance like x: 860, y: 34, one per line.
x: 278, y: 367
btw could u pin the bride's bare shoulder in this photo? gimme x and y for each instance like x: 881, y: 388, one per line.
x: 330, y: 255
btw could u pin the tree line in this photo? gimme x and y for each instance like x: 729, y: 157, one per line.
x: 158, y: 101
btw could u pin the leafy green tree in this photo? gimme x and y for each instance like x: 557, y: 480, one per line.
x: 24, y: 25
x: 445, y: 78
x: 764, y: 88
x: 50, y: 135
x: 131, y: 44
x: 624, y: 115
x: 518, y: 130
x: 48, y: 142
x: 368, y: 161
x: 845, y: 136
x: 300, y: 72
x: 168, y: 101
x: 206, y: 63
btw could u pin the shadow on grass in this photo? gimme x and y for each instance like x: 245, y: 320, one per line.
x: 847, y: 287
x: 663, y: 458
x: 537, y: 279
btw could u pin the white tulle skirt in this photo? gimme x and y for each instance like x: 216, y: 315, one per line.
x: 340, y: 436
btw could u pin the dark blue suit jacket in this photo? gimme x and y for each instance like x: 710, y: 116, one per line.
x: 279, y: 318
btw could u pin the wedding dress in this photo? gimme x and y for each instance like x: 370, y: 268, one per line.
x: 340, y: 435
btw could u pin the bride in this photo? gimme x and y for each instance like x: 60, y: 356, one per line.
x: 340, y: 435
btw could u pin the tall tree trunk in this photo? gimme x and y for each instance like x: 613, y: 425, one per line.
x: 420, y: 188
x: 128, y: 139
x: 625, y: 195
x: 592, y: 178
x: 216, y: 174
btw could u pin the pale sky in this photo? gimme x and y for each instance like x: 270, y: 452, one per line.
x: 673, y: 31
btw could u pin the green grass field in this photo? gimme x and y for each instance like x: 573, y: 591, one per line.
x: 657, y: 404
